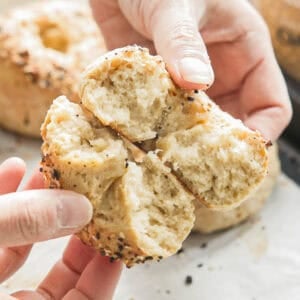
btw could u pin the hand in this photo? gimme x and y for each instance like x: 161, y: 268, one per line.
x: 35, y: 215
x: 81, y: 274
x: 248, y: 82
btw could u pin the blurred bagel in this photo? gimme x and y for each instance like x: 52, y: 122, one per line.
x: 43, y: 49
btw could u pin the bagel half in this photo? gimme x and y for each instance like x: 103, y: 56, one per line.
x: 141, y: 211
x: 217, y: 158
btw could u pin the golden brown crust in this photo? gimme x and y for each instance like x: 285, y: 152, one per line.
x: 208, y: 221
x: 108, y: 243
x: 136, y: 204
x: 34, y: 70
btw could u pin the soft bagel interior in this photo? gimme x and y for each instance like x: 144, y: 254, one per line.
x: 141, y: 211
x: 213, y: 154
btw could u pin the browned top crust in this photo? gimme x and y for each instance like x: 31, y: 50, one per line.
x: 51, y: 42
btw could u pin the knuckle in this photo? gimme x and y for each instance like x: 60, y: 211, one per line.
x: 27, y: 224
x: 184, y: 31
x: 34, y: 223
x: 148, y: 12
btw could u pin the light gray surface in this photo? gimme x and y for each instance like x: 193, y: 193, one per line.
x: 258, y: 260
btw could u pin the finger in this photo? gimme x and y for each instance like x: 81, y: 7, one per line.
x: 37, y: 215
x: 67, y: 270
x: 173, y: 26
x: 6, y: 297
x: 27, y: 295
x: 11, y: 173
x: 98, y: 280
x: 266, y: 103
x: 36, y: 181
x: 110, y: 19
x: 11, y: 259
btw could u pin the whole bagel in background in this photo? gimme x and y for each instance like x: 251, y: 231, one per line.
x: 283, y: 20
x: 43, y: 49
x: 208, y: 221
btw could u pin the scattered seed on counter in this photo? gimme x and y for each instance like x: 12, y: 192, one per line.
x: 188, y: 280
x: 203, y: 245
x: 181, y: 250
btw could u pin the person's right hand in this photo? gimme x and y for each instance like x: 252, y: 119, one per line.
x: 188, y: 34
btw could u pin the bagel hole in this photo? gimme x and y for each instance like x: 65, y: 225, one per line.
x: 53, y: 37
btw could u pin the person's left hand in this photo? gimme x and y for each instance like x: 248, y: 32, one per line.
x: 81, y: 273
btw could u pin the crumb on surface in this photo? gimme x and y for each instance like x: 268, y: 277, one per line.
x: 188, y: 280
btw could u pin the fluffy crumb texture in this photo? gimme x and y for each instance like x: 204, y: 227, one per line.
x: 214, y: 155
x: 208, y: 221
x: 141, y: 210
x: 43, y: 49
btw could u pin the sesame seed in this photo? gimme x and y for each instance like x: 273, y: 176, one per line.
x: 33, y: 76
x: 181, y: 250
x: 148, y: 258
x: 24, y: 53
x: 269, y: 144
x: 55, y: 174
x: 203, y: 245
x: 188, y: 280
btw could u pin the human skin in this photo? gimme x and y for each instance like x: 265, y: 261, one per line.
x: 225, y: 44
x: 37, y: 214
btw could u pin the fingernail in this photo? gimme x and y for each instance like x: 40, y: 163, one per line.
x: 14, y: 160
x: 195, y: 70
x: 74, y: 211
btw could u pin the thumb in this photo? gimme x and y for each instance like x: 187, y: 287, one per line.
x: 173, y: 27
x: 36, y: 215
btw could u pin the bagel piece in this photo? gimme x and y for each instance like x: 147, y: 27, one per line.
x: 43, y: 49
x: 141, y: 211
x: 215, y: 156
x: 208, y: 221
